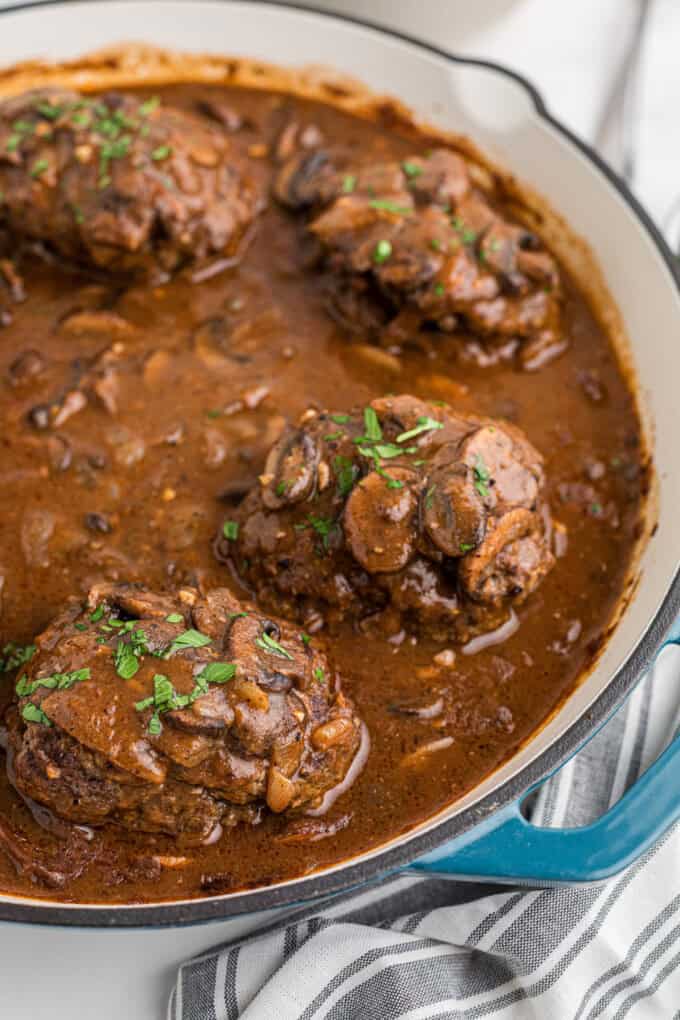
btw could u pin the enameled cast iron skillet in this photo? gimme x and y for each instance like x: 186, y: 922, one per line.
x: 483, y: 835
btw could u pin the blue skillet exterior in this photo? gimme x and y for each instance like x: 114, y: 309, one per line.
x: 508, y: 848
x: 490, y: 839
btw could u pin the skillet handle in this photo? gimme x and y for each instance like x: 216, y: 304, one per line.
x: 507, y: 848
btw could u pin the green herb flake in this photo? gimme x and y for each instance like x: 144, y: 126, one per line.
x: 218, y: 672
x: 382, y: 251
x: 305, y: 638
x: 174, y: 618
x: 160, y: 153
x: 97, y: 614
x: 439, y: 289
x: 339, y: 419
x: 268, y: 644
x: 429, y: 497
x: 349, y: 183
x: 39, y: 167
x: 80, y: 626
x: 230, y: 530
x: 149, y: 105
x: 319, y: 675
x: 465, y: 547
x: 411, y: 169
x: 50, y: 112
x: 346, y: 474
x: 31, y: 713
x: 372, y: 425
x: 281, y: 487
x: 423, y: 424
x: 481, y: 476
x: 384, y: 205
x: 125, y: 660
x: 187, y: 639
x: 214, y: 412
x: 331, y: 436
x: 14, y: 655
x: 54, y: 682
x: 435, y: 244
x: 596, y: 509
x: 155, y: 726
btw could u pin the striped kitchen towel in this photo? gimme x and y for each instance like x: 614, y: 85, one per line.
x: 416, y: 948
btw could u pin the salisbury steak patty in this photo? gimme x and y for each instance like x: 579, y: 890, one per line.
x: 119, y: 183
x: 440, y: 516
x: 177, y: 714
x: 421, y: 242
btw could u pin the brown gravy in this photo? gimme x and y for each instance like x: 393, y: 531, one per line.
x: 197, y: 410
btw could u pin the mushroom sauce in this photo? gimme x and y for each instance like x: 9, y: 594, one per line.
x: 134, y: 413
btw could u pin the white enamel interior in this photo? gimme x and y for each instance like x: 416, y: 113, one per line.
x: 500, y: 116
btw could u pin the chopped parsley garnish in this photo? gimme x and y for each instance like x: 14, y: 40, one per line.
x: 435, y: 244
x: 323, y: 526
x: 382, y: 251
x: 349, y: 183
x: 439, y: 289
x: 161, y: 152
x: 330, y: 436
x: 481, y: 476
x: 423, y: 424
x: 392, y: 483
x: 429, y: 497
x: 217, y: 672
x: 166, y: 699
x: 465, y: 547
x: 14, y: 655
x: 39, y: 167
x: 56, y: 681
x: 339, y: 419
x: 467, y: 235
x: 281, y: 487
x: 80, y: 626
x: 49, y: 111
x: 31, y: 713
x: 149, y: 105
x: 125, y: 660
x: 596, y: 509
x: 97, y: 614
x: 268, y: 644
x: 320, y: 675
x: 305, y: 638
x: 187, y: 639
x: 372, y: 425
x: 237, y: 616
x: 230, y: 530
x: 411, y: 169
x: 346, y: 474
x: 213, y: 412
x: 174, y: 618
x: 385, y: 205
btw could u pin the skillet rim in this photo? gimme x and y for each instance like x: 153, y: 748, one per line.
x: 381, y: 862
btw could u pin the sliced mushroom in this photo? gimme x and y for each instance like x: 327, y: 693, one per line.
x: 290, y: 470
x: 510, y: 562
x: 453, y: 510
x: 501, y: 475
x: 305, y: 178
x: 380, y: 520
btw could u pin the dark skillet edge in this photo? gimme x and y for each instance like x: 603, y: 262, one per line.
x: 349, y: 875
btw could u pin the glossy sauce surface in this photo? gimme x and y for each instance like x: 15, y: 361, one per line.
x: 206, y: 375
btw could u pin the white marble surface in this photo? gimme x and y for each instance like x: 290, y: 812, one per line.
x: 570, y: 52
